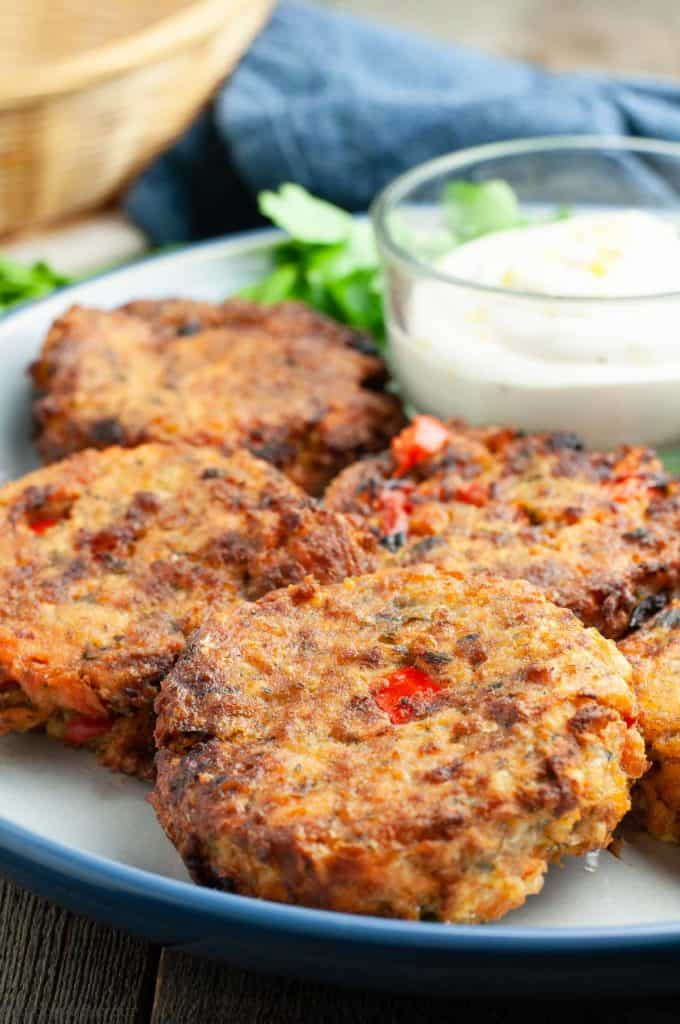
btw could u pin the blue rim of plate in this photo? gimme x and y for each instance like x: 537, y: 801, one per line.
x: 73, y: 865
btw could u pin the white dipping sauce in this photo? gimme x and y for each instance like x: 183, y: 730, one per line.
x: 609, y: 369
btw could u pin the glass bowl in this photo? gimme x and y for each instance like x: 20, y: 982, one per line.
x: 605, y: 365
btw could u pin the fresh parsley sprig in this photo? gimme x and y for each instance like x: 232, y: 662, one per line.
x: 330, y: 261
x: 20, y: 282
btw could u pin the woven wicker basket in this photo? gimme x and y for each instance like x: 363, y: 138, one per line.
x: 91, y: 89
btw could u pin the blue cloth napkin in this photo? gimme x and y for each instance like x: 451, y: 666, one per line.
x: 342, y: 106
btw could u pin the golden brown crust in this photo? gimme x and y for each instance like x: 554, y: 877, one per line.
x: 129, y: 746
x: 109, y: 560
x: 291, y: 385
x: 284, y: 774
x: 654, y: 652
x: 599, y: 532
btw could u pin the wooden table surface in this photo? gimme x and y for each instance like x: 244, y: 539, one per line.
x: 58, y: 968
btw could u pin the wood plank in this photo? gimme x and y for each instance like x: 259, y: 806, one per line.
x: 193, y: 991
x: 58, y: 967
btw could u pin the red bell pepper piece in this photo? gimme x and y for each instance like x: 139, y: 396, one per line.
x: 396, y: 695
x: 41, y: 526
x: 424, y: 437
x: 82, y: 729
x: 394, y: 506
x: 473, y: 493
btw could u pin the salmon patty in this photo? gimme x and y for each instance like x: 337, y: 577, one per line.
x: 289, y: 384
x: 654, y: 652
x: 411, y: 743
x: 598, y: 532
x: 110, y: 559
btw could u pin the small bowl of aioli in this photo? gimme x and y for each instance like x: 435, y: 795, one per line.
x: 537, y: 283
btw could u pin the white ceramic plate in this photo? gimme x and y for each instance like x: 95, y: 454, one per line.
x: 60, y: 796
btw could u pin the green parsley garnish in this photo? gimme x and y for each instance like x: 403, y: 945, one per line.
x: 330, y: 261
x: 19, y: 282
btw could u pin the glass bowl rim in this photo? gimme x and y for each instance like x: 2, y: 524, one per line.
x: 399, y: 187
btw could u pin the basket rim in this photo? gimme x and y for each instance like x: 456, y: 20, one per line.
x: 170, y: 33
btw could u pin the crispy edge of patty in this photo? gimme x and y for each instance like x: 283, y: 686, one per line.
x: 310, y: 449
x: 451, y: 846
x: 284, y: 538
x: 654, y: 652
